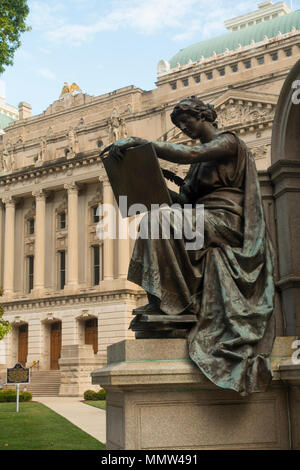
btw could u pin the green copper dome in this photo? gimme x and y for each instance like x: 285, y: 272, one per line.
x: 231, y: 41
x: 5, y: 121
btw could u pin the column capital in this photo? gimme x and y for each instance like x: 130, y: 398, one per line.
x: 71, y: 187
x: 8, y: 200
x: 39, y: 194
x: 106, y: 183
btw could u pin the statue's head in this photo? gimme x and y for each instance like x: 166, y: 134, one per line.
x: 195, y: 110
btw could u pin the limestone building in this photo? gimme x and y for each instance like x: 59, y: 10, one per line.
x: 65, y: 290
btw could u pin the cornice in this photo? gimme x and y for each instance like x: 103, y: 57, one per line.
x: 224, y: 59
x: 67, y: 301
x: 96, y: 101
x: 51, y: 167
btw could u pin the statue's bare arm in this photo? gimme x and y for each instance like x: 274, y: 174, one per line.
x: 223, y: 146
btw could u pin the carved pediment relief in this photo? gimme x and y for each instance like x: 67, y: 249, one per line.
x: 237, y: 108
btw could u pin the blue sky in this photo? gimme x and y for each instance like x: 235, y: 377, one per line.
x: 106, y: 44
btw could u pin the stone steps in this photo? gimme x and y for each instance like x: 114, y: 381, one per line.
x: 45, y: 383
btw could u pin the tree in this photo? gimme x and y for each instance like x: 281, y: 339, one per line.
x: 13, y: 14
x: 4, y: 325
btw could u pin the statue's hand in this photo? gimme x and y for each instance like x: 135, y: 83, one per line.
x: 118, y: 148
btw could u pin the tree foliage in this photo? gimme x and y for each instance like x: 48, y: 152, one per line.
x: 13, y: 14
x: 4, y: 325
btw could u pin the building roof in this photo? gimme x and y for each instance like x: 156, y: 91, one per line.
x: 5, y: 121
x: 283, y: 24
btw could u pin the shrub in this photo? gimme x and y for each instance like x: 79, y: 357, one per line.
x: 11, y: 395
x: 26, y: 396
x: 90, y: 395
x: 101, y: 395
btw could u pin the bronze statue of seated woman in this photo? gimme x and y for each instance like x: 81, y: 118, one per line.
x: 222, y: 294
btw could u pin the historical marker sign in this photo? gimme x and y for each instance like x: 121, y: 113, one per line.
x: 17, y: 375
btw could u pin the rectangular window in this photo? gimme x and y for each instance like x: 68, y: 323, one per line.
x: 96, y: 265
x: 95, y: 215
x: 275, y: 56
x: 173, y: 85
x: 185, y: 82
x: 261, y: 60
x: 62, y: 220
x: 248, y: 64
x: 288, y: 52
x: 197, y: 78
x: 30, y: 225
x: 30, y: 271
x: 222, y: 72
x: 62, y: 268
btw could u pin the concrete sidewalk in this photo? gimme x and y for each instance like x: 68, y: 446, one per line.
x: 88, y: 418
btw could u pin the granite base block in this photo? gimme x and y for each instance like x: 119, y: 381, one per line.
x: 158, y: 399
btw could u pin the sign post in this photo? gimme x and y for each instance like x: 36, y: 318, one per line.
x: 15, y: 376
x: 18, y: 394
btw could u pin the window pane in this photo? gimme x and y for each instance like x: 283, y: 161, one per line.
x: 62, y: 269
x: 31, y: 226
x: 96, y: 264
x: 30, y: 267
x: 95, y: 216
x: 62, y: 220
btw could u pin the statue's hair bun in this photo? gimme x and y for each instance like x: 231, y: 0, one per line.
x: 196, y: 107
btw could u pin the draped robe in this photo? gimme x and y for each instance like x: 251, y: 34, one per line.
x: 228, y: 283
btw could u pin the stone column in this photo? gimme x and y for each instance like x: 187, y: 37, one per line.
x: 285, y: 177
x: 40, y: 241
x: 9, y: 246
x: 72, y: 258
x: 123, y: 248
x: 108, y: 244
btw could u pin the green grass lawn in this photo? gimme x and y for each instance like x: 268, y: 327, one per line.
x: 97, y: 404
x: 36, y: 427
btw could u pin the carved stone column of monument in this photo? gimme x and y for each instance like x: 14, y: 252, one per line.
x: 9, y: 248
x: 40, y: 241
x: 108, y: 244
x: 72, y: 263
x: 285, y: 175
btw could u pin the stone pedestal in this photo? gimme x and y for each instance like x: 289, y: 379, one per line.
x: 158, y: 399
x: 76, y: 364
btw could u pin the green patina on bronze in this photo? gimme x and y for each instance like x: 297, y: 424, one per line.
x: 228, y: 284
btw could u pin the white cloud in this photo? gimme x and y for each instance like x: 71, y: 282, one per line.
x: 144, y: 16
x: 43, y: 16
x: 46, y: 73
x: 185, y: 18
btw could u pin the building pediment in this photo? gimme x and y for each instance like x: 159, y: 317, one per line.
x: 241, y: 109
